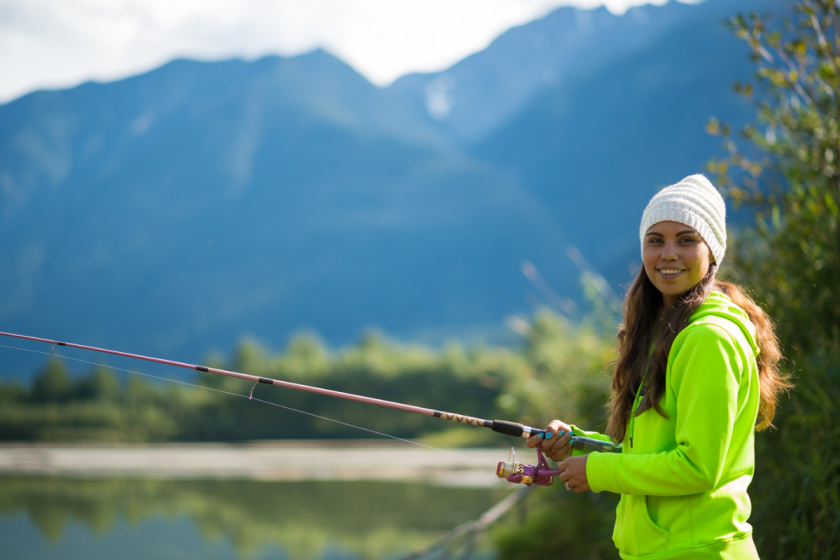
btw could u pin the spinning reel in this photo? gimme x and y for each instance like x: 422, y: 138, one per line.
x: 540, y: 474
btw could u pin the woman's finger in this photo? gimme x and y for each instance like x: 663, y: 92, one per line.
x: 556, y: 446
x: 565, y: 452
x: 548, y: 443
x: 556, y: 426
x: 555, y: 456
x: 582, y: 487
x: 552, y: 440
x: 564, y: 440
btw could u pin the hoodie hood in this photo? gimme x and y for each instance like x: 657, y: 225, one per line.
x: 720, y: 305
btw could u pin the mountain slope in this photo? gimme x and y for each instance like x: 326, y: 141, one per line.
x: 595, y: 151
x: 174, y: 211
x: 479, y: 94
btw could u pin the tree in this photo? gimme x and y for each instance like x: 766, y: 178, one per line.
x: 101, y: 385
x: 785, y: 167
x: 52, y: 384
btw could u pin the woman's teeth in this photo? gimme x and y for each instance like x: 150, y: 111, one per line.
x: 669, y: 270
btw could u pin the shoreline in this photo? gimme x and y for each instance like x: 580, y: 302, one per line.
x: 284, y: 460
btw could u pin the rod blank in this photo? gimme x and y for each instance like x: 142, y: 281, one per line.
x: 501, y: 426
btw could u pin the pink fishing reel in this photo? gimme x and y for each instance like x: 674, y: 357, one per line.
x: 518, y: 473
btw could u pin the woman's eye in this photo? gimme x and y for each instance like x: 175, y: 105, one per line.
x: 686, y: 240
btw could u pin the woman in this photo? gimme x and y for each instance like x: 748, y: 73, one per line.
x: 697, y: 374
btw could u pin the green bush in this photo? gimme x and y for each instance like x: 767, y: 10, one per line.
x: 791, y: 260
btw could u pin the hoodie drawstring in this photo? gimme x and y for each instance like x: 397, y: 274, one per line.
x: 633, y: 414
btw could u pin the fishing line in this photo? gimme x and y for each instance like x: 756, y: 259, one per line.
x: 249, y: 398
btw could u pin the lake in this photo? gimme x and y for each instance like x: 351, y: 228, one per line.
x: 47, y: 517
x: 106, y: 515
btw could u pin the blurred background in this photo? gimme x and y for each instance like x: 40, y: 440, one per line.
x: 435, y: 203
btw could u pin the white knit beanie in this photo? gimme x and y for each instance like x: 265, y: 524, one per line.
x: 695, y: 202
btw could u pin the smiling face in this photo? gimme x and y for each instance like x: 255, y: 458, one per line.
x: 676, y: 259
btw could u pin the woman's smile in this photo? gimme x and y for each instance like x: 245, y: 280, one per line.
x: 670, y: 273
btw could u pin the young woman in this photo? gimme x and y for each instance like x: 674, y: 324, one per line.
x: 696, y: 375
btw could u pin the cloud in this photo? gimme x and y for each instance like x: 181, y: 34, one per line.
x: 45, y: 43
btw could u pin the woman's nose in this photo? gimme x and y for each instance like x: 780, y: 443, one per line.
x: 669, y: 252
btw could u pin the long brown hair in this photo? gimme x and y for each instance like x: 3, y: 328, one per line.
x: 646, y: 336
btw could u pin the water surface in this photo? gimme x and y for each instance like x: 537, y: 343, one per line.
x: 50, y: 517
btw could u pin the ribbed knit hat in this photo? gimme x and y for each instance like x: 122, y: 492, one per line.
x: 695, y: 202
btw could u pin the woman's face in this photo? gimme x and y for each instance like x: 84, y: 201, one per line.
x: 676, y: 259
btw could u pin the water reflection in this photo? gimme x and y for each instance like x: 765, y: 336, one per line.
x: 301, y: 521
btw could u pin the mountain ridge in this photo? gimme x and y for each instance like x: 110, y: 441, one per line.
x: 527, y: 60
x: 174, y: 211
x: 188, y: 202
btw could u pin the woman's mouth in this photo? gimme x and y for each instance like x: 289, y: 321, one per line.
x: 671, y: 272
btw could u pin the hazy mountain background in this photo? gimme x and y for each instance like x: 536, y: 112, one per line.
x: 173, y: 212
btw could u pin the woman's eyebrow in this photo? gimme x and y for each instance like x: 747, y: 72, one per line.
x: 648, y: 234
x: 687, y: 231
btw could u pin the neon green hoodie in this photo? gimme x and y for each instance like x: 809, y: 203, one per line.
x: 683, y: 481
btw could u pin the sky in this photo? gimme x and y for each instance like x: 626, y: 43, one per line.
x: 61, y: 43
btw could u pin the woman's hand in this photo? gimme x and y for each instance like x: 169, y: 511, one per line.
x: 573, y: 473
x: 555, y: 442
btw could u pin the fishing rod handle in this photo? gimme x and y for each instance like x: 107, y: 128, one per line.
x: 592, y: 444
x: 582, y: 443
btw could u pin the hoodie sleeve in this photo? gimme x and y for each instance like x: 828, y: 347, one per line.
x: 704, y: 377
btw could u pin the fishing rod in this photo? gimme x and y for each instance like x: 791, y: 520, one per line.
x: 512, y: 471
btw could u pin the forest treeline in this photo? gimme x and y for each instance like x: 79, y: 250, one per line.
x: 558, y: 368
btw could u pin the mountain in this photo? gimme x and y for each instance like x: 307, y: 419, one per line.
x: 596, y: 150
x: 175, y: 211
x: 487, y: 89
x: 593, y: 113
